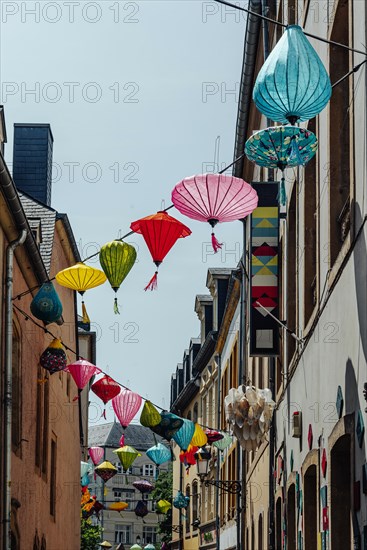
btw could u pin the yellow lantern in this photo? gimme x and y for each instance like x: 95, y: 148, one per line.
x: 199, y: 439
x: 81, y: 277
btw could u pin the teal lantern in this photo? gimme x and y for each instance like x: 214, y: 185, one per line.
x: 168, y: 426
x: 159, y: 454
x: 184, y: 435
x: 46, y: 304
x: 281, y: 147
x: 293, y: 84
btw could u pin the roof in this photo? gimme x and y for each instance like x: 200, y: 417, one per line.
x: 47, y: 215
x: 108, y: 435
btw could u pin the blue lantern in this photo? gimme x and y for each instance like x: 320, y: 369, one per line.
x: 46, y: 304
x: 181, y: 501
x: 184, y: 435
x: 85, y: 480
x: 293, y: 84
x: 279, y: 147
x: 159, y: 454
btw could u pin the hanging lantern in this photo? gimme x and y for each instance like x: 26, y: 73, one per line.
x: 159, y: 454
x: 180, y: 501
x: 118, y: 506
x: 106, y: 470
x: 168, y: 426
x: 46, y: 304
x: 106, y: 389
x: 162, y: 506
x: 85, y: 480
x: 188, y: 457
x: 82, y: 371
x: 199, y: 439
x: 53, y: 358
x: 122, y: 441
x: 149, y: 415
x: 127, y: 455
x: 184, y: 435
x: 84, y: 468
x: 160, y: 232
x: 141, y: 509
x: 144, y: 486
x: 214, y: 198
x: 293, y: 84
x: 223, y: 443
x: 213, y: 435
x: 126, y: 404
x: 105, y: 544
x: 81, y: 277
x: 96, y: 454
x: 116, y: 259
x: 281, y: 147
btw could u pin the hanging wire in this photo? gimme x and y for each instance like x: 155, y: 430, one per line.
x: 284, y: 25
x: 46, y: 331
x: 30, y: 290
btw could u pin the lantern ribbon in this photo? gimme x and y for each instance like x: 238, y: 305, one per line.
x: 153, y: 283
x: 116, y: 307
x: 215, y: 243
x: 86, y: 319
x: 282, y: 196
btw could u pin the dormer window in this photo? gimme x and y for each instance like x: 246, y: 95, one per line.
x: 36, y: 228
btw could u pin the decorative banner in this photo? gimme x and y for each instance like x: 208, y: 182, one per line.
x: 264, y: 243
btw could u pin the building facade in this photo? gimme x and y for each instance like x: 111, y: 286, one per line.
x: 126, y: 528
x: 45, y: 449
x: 316, y: 484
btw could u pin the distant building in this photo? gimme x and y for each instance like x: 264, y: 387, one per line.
x: 126, y: 528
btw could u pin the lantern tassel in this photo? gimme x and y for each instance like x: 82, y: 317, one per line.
x: 116, y: 307
x: 86, y: 319
x: 215, y: 243
x: 282, y: 196
x: 104, y: 414
x: 153, y: 283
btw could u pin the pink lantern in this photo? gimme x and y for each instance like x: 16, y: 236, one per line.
x: 82, y: 371
x: 122, y: 440
x: 214, y: 198
x: 96, y: 454
x: 126, y: 404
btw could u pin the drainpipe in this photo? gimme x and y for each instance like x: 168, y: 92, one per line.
x: 8, y: 390
x: 219, y: 455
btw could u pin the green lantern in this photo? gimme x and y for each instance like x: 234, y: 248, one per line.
x: 150, y: 416
x: 116, y: 259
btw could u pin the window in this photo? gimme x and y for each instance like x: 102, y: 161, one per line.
x: 340, y: 173
x: 149, y: 534
x: 310, y: 233
x: 195, y: 502
x: 149, y: 470
x: 42, y: 420
x: 16, y: 428
x: 119, y: 467
x: 188, y: 511
x: 53, y: 477
x: 123, y: 534
x: 196, y: 412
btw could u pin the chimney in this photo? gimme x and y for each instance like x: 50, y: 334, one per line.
x: 32, y: 160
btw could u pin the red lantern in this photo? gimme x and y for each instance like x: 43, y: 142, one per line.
x: 160, y: 232
x: 106, y: 389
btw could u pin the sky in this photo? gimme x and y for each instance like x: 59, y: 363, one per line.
x: 136, y: 94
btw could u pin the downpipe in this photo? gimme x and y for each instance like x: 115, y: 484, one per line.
x: 8, y: 387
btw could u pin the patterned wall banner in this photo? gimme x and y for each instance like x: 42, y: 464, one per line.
x: 264, y: 244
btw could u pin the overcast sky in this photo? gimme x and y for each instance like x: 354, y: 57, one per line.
x: 136, y: 94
